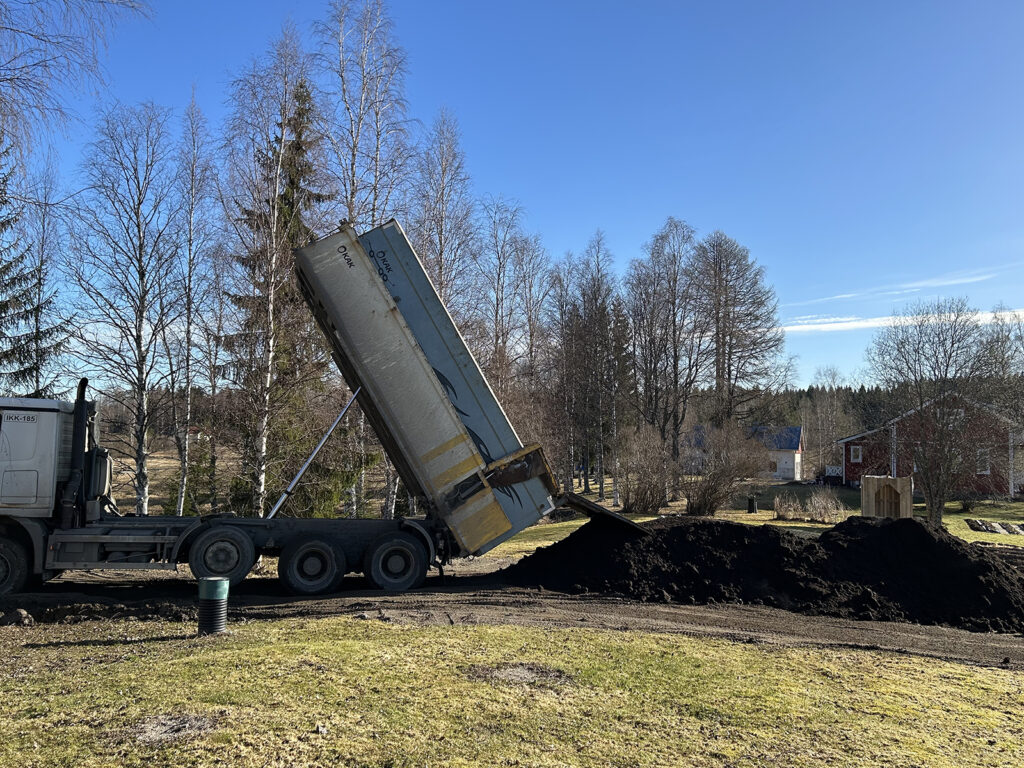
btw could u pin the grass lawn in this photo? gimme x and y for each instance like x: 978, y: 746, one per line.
x: 999, y: 511
x: 344, y: 692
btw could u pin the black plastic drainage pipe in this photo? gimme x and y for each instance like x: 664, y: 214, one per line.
x: 213, y: 605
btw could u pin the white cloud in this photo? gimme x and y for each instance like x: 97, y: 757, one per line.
x: 802, y: 319
x: 902, y: 289
x: 833, y: 324
x: 839, y: 324
x: 951, y: 279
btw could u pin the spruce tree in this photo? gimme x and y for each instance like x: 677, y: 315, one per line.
x: 30, y: 338
x: 275, y: 331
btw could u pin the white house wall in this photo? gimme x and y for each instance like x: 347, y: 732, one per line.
x: 787, y: 465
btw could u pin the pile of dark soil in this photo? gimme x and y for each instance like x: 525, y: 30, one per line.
x: 887, y: 570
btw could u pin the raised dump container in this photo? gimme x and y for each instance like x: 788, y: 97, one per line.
x: 405, y: 279
x: 405, y: 400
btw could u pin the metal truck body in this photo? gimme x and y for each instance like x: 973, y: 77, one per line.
x: 400, y: 394
x: 403, y: 275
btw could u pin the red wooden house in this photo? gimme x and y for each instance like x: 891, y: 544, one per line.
x: 989, y: 448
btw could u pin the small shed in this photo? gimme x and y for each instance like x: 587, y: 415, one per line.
x: 885, y: 496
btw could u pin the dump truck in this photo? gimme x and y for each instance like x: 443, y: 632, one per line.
x: 419, y: 387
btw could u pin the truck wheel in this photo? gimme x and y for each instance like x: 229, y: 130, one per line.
x: 14, y: 567
x: 396, y: 562
x: 222, y: 552
x: 311, y: 566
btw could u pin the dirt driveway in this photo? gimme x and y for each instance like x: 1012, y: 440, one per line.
x: 470, y: 595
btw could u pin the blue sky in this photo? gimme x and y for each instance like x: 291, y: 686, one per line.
x: 869, y: 154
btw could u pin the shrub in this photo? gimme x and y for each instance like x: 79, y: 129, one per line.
x: 643, y: 475
x: 718, y: 461
x: 787, y: 507
x: 824, y: 506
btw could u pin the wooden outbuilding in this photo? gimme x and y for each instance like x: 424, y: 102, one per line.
x: 884, y: 496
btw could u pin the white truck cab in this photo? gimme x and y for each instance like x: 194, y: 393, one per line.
x: 35, y: 454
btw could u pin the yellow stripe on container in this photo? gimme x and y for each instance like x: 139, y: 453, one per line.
x: 443, y: 448
x: 474, y: 529
x: 460, y: 470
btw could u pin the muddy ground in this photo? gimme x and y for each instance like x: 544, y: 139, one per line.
x: 469, y: 595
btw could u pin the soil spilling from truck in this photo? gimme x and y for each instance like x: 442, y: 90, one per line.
x: 885, y: 570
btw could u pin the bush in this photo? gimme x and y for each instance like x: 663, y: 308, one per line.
x: 822, y: 506
x: 718, y: 461
x: 643, y: 472
x: 969, y: 500
x: 787, y: 507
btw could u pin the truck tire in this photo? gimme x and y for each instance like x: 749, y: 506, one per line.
x: 311, y: 566
x: 14, y: 567
x: 222, y: 552
x: 396, y: 562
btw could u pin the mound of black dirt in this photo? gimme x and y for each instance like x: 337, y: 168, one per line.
x: 889, y: 570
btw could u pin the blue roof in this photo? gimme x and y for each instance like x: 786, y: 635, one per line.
x: 778, y: 438
x: 773, y: 438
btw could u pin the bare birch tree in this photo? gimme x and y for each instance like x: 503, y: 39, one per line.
x: 121, y: 261
x: 495, y: 262
x: 195, y: 191
x: 48, y: 46
x: 533, y: 285
x: 828, y: 416
x: 363, y: 120
x: 261, y: 101
x: 932, y: 357
x: 443, y: 227
x: 563, y: 319
x: 671, y: 254
x: 215, y: 318
x: 596, y: 288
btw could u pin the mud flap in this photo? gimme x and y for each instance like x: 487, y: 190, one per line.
x: 577, y: 503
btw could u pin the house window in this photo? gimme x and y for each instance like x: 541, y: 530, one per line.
x: 855, y: 454
x: 984, y: 461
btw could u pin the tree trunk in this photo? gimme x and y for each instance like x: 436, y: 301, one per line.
x: 141, y: 464
x: 600, y: 446
x: 267, y: 380
x: 615, y: 456
x: 183, y: 480
x: 390, y: 491
x: 212, y: 475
